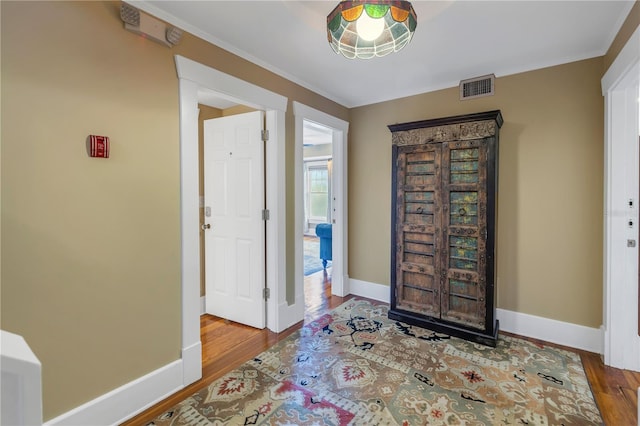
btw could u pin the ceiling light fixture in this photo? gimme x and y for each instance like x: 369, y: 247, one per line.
x: 367, y: 28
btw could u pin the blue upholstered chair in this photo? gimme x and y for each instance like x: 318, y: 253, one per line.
x: 323, y: 230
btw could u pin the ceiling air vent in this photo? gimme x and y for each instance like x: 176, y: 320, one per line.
x: 477, y: 87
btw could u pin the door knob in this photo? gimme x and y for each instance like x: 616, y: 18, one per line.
x: 206, y: 226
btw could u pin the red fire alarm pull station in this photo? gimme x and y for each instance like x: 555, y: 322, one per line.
x: 99, y: 146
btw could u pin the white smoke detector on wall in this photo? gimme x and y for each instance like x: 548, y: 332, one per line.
x: 148, y: 26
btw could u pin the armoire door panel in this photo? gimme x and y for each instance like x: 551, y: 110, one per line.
x: 419, y: 207
x: 464, y: 165
x: 464, y: 171
x: 420, y: 291
x: 463, y: 208
x: 463, y: 252
x: 418, y: 225
x: 419, y: 248
x: 419, y: 288
x: 463, y: 299
x: 420, y: 167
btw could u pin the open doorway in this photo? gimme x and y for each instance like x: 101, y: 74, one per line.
x: 317, y: 155
x: 320, y: 201
x: 317, y: 186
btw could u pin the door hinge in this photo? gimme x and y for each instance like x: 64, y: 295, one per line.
x: 265, y: 135
x: 266, y: 293
x: 265, y: 214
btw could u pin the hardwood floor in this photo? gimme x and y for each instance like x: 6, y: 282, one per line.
x: 227, y: 345
x: 615, y: 391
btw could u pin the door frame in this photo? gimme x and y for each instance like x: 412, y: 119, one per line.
x: 620, y: 281
x: 339, y: 264
x: 192, y: 77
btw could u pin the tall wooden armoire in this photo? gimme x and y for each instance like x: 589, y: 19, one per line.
x: 443, y: 242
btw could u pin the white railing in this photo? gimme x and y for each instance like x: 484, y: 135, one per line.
x: 21, y: 388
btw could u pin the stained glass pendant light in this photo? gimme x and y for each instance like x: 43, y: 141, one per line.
x: 367, y: 28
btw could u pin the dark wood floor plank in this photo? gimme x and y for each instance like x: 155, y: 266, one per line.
x: 227, y: 345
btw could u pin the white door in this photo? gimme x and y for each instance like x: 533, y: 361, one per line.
x: 234, y: 200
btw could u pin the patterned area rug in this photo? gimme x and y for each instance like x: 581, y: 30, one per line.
x: 354, y: 366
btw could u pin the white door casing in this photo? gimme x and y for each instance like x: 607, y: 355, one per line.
x: 620, y: 89
x: 194, y: 76
x: 339, y: 264
x: 234, y: 200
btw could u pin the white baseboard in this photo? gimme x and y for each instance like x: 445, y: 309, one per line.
x: 290, y: 314
x: 549, y: 330
x: 126, y: 401
x: 370, y: 290
x: 192, y: 363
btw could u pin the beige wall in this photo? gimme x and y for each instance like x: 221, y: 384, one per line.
x: 237, y: 109
x: 550, y: 187
x: 91, y: 247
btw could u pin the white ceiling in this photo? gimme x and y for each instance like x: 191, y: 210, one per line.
x: 316, y: 134
x: 454, y: 40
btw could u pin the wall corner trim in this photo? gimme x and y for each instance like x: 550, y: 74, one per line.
x: 549, y: 330
x: 126, y: 401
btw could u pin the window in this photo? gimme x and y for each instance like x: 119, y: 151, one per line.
x: 318, y: 190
